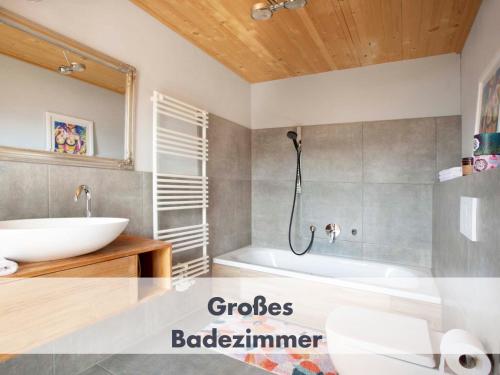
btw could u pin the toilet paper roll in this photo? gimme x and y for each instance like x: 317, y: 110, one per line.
x: 487, y: 144
x: 484, y: 162
x: 464, y: 354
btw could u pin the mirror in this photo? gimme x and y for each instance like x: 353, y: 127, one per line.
x: 62, y: 102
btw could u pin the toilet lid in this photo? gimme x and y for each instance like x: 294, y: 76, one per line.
x: 393, y: 335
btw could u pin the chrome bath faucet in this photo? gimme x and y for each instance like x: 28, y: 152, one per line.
x: 88, y: 196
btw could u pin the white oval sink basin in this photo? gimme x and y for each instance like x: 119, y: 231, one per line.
x: 37, y: 240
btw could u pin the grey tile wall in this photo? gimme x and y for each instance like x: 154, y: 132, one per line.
x: 375, y: 177
x: 456, y: 256
x: 24, y: 191
x: 400, y: 151
x: 230, y: 187
x: 35, y: 190
x: 449, y: 140
x: 334, y: 152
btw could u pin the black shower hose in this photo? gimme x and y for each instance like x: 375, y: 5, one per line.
x: 311, y: 228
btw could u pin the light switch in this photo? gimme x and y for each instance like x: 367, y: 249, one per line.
x: 468, y: 217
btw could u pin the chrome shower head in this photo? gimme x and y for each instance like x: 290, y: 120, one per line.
x: 295, y: 4
x: 293, y: 136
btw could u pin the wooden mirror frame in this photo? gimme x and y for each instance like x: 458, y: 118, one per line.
x: 47, y: 157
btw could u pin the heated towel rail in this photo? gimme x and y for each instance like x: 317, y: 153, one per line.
x: 180, y: 184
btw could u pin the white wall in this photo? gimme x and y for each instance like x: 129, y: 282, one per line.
x: 28, y: 92
x: 481, y: 48
x: 164, y: 60
x: 406, y: 89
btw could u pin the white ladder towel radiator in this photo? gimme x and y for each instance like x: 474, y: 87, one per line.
x: 180, y: 144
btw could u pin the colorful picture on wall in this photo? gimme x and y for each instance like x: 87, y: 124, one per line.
x: 490, y: 104
x: 69, y: 135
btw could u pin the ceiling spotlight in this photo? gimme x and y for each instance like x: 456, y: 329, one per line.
x: 73, y: 67
x: 261, y: 12
x: 264, y: 11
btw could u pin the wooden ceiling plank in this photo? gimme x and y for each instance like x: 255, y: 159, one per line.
x: 344, y: 8
x: 469, y: 13
x: 301, y: 47
x: 412, y: 14
x: 436, y: 37
x: 392, y: 29
x: 331, y: 26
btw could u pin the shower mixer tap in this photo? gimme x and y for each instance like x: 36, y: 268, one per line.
x: 332, y: 231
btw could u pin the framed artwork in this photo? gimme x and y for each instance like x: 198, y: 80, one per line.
x: 69, y: 135
x: 487, y: 118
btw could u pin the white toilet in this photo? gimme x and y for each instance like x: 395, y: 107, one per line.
x: 362, y: 341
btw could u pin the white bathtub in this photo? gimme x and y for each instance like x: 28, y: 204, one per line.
x: 388, y: 279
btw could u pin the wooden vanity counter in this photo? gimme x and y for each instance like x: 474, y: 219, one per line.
x: 37, y: 308
x: 106, y: 262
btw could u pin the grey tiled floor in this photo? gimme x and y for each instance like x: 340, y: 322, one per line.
x: 156, y: 364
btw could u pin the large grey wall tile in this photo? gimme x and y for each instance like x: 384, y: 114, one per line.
x: 271, y: 206
x: 24, y: 191
x: 338, y: 248
x: 399, y: 151
x: 229, y: 150
x: 229, y: 215
x: 332, y: 152
x: 221, y: 243
x: 449, y: 245
x: 449, y: 142
x: 483, y: 255
x: 268, y: 238
x: 333, y: 202
x: 114, y: 193
x: 273, y: 155
x: 147, y: 204
x: 229, y: 171
x: 416, y: 257
x: 398, y: 215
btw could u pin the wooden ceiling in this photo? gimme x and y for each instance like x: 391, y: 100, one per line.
x: 31, y: 49
x: 325, y: 35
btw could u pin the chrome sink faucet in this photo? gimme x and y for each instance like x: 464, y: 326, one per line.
x: 88, y: 196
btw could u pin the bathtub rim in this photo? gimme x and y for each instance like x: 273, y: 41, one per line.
x: 342, y: 282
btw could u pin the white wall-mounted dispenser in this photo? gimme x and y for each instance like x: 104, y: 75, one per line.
x: 468, y: 217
